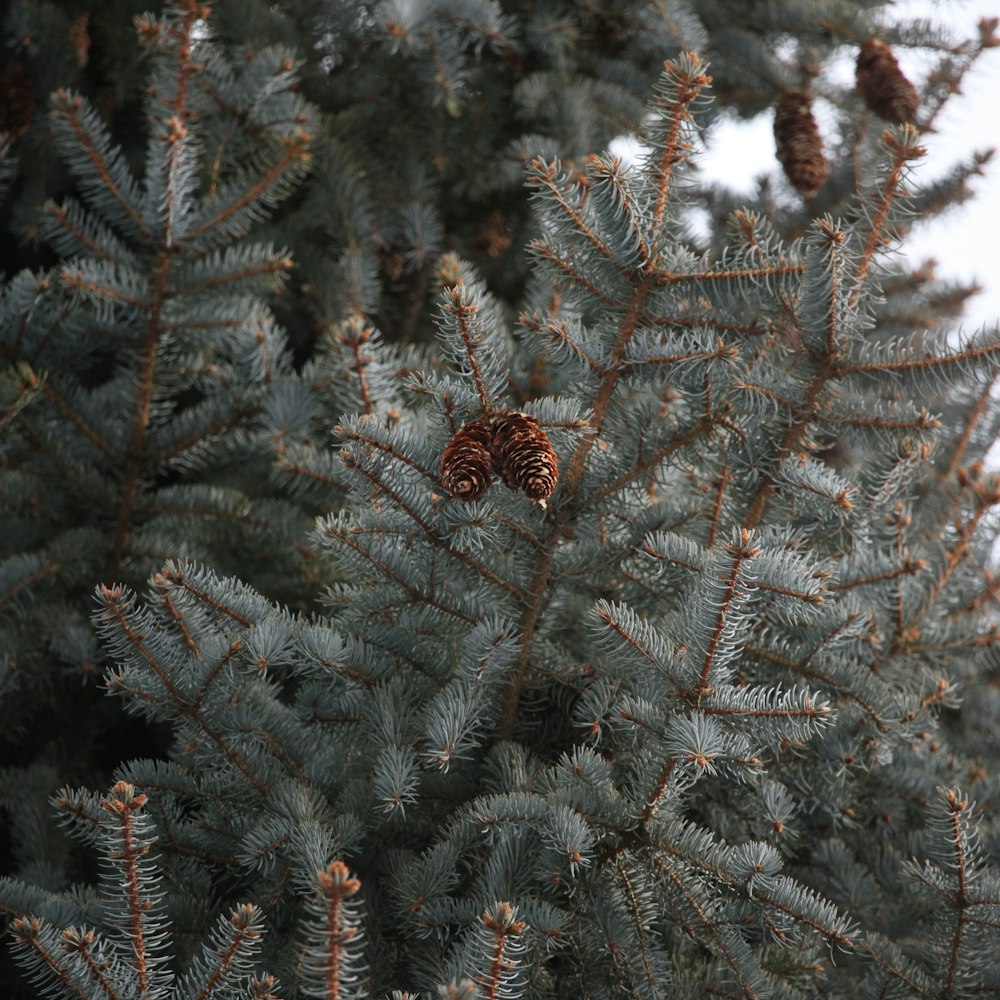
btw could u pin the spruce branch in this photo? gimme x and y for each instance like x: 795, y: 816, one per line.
x: 567, y: 268
x: 497, y: 977
x: 678, y: 88
x: 681, y: 85
x: 719, y: 637
x: 902, y: 144
x: 723, y: 941
x: 804, y: 906
x: 570, y: 199
x: 664, y: 277
x: 146, y: 378
x: 81, y: 942
x: 463, y: 313
x: 27, y: 572
x: 82, y: 424
x: 174, y: 576
x: 805, y: 667
x: 231, y: 205
x: 69, y: 218
x: 332, y: 959
x: 118, y: 608
x: 560, y: 335
x: 83, y: 486
x: 382, y: 485
x: 102, y: 169
x: 655, y: 459
x: 34, y: 940
x: 122, y: 805
x: 358, y: 339
x: 976, y: 413
x: 345, y: 535
x: 371, y: 433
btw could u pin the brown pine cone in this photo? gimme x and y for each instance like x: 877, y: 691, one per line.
x: 883, y: 86
x: 17, y: 100
x: 523, y: 456
x: 467, y: 462
x: 798, y: 142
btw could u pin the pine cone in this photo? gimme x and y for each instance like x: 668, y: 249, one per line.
x: 467, y: 463
x: 17, y: 100
x: 883, y: 86
x: 799, y: 146
x: 523, y: 456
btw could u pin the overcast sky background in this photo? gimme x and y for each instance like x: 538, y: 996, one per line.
x: 966, y: 241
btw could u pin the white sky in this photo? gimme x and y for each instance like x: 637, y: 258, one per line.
x: 965, y: 240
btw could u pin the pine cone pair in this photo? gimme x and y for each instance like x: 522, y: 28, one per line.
x: 883, y: 86
x: 508, y: 443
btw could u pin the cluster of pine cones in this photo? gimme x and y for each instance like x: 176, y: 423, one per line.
x: 508, y: 443
x: 511, y: 444
x: 882, y: 86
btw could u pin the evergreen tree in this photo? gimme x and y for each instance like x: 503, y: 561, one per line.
x: 634, y: 635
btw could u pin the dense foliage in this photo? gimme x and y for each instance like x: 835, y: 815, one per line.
x: 525, y: 572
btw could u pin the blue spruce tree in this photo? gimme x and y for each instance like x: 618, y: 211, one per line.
x: 570, y: 606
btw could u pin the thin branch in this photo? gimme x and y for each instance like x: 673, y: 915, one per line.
x: 68, y: 107
x: 905, y: 151
x: 112, y: 597
x: 740, y: 554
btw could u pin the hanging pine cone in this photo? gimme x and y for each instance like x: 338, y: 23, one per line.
x: 523, y: 456
x: 467, y: 463
x: 799, y: 146
x: 883, y: 86
x: 17, y: 100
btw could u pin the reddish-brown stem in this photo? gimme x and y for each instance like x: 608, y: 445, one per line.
x: 704, y: 426
x: 225, y: 959
x: 97, y: 968
x: 129, y: 854
x: 51, y: 568
x: 657, y: 792
x: 276, y: 265
x: 178, y: 578
x: 975, y: 414
x: 528, y: 624
x: 549, y: 178
x: 890, y: 189
x: 803, y: 669
x: 545, y: 252
x: 957, y: 806
x: 62, y: 217
x: 716, y: 512
x: 640, y: 930
x: 136, y: 460
x: 502, y: 928
x: 687, y: 92
x: 337, y: 886
x: 463, y: 314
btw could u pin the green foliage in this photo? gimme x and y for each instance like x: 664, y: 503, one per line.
x: 129, y: 958
x: 699, y: 724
